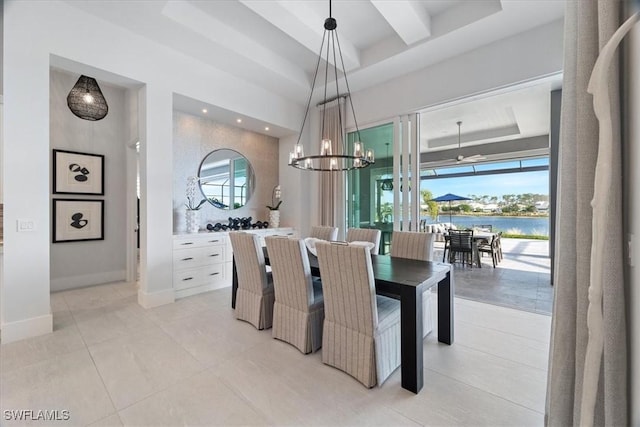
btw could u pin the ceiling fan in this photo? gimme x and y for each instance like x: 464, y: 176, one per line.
x: 462, y: 159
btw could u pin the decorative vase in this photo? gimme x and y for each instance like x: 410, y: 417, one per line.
x: 274, y: 219
x: 193, y: 221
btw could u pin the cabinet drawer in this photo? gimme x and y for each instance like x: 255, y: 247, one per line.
x: 213, y: 273
x: 186, y: 279
x: 198, y: 257
x: 213, y: 254
x: 187, y: 258
x: 183, y: 279
x: 185, y: 242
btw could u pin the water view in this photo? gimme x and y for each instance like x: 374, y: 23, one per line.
x: 524, y: 225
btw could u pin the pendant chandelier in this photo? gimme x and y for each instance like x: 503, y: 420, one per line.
x: 327, y: 160
x: 86, y: 100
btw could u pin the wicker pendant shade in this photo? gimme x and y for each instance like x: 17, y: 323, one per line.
x: 86, y: 100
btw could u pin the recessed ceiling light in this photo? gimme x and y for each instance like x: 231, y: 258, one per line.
x: 266, y: 128
x: 204, y: 110
x: 239, y: 120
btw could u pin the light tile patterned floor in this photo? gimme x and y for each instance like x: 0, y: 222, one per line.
x: 112, y: 363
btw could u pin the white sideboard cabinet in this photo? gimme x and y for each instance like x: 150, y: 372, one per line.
x: 203, y: 261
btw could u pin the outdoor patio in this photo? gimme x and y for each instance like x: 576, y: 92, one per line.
x: 521, y: 280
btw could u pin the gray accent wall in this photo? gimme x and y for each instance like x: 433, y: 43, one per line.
x: 77, y: 264
x: 194, y: 138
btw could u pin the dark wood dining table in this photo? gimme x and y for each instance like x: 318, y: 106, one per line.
x: 406, y: 280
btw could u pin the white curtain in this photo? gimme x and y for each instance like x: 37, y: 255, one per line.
x: 332, y: 183
x: 587, y: 383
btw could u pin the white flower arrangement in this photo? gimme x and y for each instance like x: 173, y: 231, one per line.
x: 191, y: 194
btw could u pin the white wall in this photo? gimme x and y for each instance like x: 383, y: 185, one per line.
x: 75, y: 264
x: 55, y: 28
x: 633, y: 215
x: 194, y: 138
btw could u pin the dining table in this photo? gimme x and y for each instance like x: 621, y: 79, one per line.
x: 478, y: 238
x: 406, y: 280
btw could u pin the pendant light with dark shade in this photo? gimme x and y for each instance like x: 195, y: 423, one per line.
x: 328, y: 160
x: 86, y: 100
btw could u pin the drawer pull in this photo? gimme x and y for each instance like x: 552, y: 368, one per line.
x: 214, y: 255
x: 214, y: 241
x: 214, y: 274
x: 187, y: 243
x: 187, y: 259
x: 187, y: 278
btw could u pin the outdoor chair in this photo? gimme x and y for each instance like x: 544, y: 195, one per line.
x: 461, y: 243
x: 490, y: 248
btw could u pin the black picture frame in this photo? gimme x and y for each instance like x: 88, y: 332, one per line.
x: 77, y: 220
x: 78, y: 173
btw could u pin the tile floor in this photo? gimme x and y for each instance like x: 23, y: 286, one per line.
x: 521, y: 280
x: 110, y: 362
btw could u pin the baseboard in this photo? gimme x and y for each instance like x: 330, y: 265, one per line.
x: 27, y: 328
x: 156, y: 299
x: 72, y: 282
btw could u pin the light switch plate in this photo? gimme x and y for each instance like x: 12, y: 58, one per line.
x: 26, y: 225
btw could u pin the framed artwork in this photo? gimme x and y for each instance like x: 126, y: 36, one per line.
x: 78, y: 173
x: 77, y: 220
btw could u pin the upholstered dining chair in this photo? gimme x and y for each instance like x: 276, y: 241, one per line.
x: 361, y: 334
x: 299, y: 310
x: 255, y: 295
x: 324, y: 232
x: 365, y: 235
x: 414, y: 245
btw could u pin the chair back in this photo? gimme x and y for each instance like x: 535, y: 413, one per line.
x: 365, y: 235
x: 249, y: 258
x: 461, y: 240
x: 348, y: 286
x: 291, y: 272
x: 324, y: 232
x: 412, y: 245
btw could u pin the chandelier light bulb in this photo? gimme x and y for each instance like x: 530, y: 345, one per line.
x: 325, y: 147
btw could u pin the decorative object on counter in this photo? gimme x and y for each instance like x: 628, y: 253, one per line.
x: 334, y: 155
x: 77, y: 220
x: 237, y: 224
x: 192, y: 215
x: 86, y: 100
x: 274, y: 212
x: 78, y: 173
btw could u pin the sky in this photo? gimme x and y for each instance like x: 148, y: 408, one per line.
x: 491, y: 185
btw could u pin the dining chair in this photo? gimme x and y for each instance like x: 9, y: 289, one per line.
x: 298, y: 311
x: 414, y: 245
x: 324, y: 232
x: 461, y: 243
x: 361, y: 334
x: 499, y: 245
x: 255, y: 295
x: 365, y: 235
x: 490, y: 248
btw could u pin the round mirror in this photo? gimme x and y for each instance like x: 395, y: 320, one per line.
x: 226, y: 179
